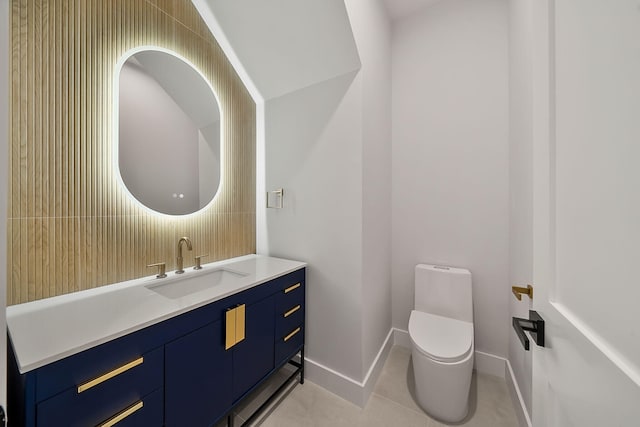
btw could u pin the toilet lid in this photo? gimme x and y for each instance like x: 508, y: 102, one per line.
x: 441, y: 338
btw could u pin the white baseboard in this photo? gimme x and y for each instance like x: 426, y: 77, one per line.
x: 337, y: 383
x: 401, y: 338
x: 376, y: 367
x: 486, y: 363
x: 354, y: 391
x: 516, y: 396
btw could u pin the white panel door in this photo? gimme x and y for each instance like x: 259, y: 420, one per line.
x: 587, y: 212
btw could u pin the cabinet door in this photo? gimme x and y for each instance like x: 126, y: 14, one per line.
x: 253, y: 357
x: 197, y: 378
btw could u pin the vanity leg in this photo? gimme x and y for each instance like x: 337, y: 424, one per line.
x: 302, y: 368
x: 230, y: 420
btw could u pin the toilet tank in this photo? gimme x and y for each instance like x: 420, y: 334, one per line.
x: 445, y: 291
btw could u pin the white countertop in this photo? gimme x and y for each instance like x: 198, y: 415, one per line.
x: 51, y: 329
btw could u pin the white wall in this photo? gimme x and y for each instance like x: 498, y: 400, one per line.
x: 372, y: 32
x: 450, y: 156
x: 328, y: 146
x: 521, y: 180
x: 256, y: 37
x: 313, y: 150
x: 4, y: 194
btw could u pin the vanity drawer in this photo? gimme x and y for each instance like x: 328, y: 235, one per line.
x: 287, y: 344
x: 287, y: 320
x: 147, y: 411
x: 150, y: 413
x: 291, y: 295
x: 87, y: 365
x: 106, y: 394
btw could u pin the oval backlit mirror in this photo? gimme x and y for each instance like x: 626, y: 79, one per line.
x: 169, y: 132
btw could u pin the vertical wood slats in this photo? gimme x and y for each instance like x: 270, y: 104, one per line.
x: 71, y: 226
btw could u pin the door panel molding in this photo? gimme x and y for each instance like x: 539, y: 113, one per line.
x: 617, y: 359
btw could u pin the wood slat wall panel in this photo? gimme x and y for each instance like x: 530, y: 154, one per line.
x: 71, y: 226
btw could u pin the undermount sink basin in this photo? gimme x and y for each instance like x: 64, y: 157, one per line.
x: 190, y: 285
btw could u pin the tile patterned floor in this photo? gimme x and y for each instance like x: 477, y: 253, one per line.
x: 391, y: 404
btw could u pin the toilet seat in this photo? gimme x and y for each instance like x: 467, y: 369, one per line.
x: 440, y: 338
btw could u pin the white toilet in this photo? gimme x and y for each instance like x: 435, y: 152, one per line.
x: 441, y: 331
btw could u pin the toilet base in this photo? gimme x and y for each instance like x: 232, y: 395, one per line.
x: 442, y: 389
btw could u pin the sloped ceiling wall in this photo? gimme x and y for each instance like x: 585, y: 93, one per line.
x: 285, y: 45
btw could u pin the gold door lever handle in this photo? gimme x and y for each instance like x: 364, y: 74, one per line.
x: 519, y: 291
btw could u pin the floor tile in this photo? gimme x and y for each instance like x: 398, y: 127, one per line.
x: 392, y: 403
x: 382, y: 412
x: 309, y: 405
x: 490, y: 403
x: 396, y: 380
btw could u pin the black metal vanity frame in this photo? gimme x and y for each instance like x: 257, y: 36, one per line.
x: 276, y: 394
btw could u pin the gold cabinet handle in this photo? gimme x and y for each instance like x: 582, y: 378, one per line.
x: 230, y: 322
x: 519, y: 291
x: 240, y: 326
x: 122, y: 415
x: 293, y: 310
x: 102, y: 378
x: 292, y: 288
x: 235, y: 326
x: 292, y: 334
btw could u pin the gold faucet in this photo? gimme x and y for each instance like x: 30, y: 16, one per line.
x: 179, y: 263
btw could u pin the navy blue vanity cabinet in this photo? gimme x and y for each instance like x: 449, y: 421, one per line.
x: 197, y: 378
x: 189, y: 370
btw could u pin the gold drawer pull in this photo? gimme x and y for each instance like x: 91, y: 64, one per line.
x: 122, y: 415
x: 293, y: 310
x: 86, y: 386
x: 288, y: 337
x: 292, y: 288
